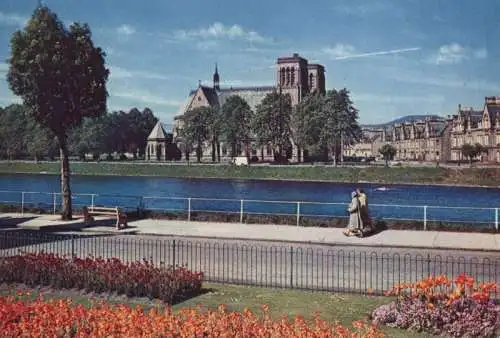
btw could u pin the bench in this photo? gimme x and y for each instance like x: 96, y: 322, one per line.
x: 121, y: 217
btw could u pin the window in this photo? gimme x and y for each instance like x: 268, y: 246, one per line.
x: 292, y: 76
x: 269, y: 151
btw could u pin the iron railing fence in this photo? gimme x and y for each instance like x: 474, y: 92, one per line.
x: 297, y: 211
x: 310, y: 267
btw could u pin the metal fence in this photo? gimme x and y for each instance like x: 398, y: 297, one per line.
x: 297, y: 210
x: 309, y: 267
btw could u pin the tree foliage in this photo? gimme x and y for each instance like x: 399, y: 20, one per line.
x: 272, y: 122
x: 472, y: 151
x: 21, y: 137
x: 196, y: 130
x: 322, y: 123
x: 236, y: 126
x: 388, y: 152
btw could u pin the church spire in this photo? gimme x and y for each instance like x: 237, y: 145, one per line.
x: 216, y: 78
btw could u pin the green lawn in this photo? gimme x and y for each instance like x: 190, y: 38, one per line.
x: 421, y: 175
x: 344, y: 308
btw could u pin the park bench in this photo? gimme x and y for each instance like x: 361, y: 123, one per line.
x: 121, y: 217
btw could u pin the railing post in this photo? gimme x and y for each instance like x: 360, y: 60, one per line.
x: 241, y: 211
x: 298, y: 213
x: 22, y: 203
x: 73, y: 246
x: 425, y: 217
x: 55, y: 204
x: 496, y: 219
x: 291, y: 266
x: 92, y: 201
x: 189, y: 209
x: 173, y: 253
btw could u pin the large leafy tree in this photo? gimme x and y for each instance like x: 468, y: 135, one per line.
x: 272, y: 122
x: 196, y: 130
x: 61, y: 77
x: 308, y: 123
x: 237, y: 117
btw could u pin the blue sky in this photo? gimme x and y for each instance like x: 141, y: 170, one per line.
x: 396, y: 57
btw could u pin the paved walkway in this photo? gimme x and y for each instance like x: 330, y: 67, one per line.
x: 331, y: 236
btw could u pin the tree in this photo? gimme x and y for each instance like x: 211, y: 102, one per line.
x: 237, y: 117
x: 88, y: 137
x: 13, y: 127
x: 471, y: 151
x: 61, y: 77
x: 307, y: 121
x: 272, y: 122
x: 324, y: 123
x: 340, y: 122
x: 388, y: 152
x: 196, y: 128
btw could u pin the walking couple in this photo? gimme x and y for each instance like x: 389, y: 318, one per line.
x: 359, y: 217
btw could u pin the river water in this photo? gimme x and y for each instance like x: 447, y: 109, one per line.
x: 443, y: 203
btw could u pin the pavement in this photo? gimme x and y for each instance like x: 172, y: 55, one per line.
x: 434, y: 240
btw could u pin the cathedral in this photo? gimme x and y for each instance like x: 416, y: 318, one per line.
x: 294, y: 76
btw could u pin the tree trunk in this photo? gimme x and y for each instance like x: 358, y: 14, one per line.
x: 67, y: 211
x: 218, y: 150
x: 214, y: 139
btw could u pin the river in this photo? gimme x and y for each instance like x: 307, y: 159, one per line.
x: 443, y: 203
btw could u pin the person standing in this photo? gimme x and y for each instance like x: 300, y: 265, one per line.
x: 364, y: 212
x: 355, y: 222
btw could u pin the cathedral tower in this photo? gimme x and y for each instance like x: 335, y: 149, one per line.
x: 292, y: 75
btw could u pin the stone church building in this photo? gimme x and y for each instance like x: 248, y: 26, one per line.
x: 294, y: 76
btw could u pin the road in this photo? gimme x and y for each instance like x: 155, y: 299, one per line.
x: 355, y: 269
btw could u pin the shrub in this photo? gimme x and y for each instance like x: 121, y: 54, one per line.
x: 438, y: 306
x: 58, y: 318
x: 137, y: 279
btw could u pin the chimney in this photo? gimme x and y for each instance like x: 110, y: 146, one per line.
x: 459, y: 107
x: 295, y: 55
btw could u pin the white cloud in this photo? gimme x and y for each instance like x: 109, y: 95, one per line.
x: 454, y: 53
x: 11, y: 19
x: 344, y: 52
x: 450, y: 54
x: 122, y: 73
x: 220, y: 31
x: 125, y: 30
x: 134, y: 95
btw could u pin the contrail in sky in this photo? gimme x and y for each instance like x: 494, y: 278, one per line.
x: 386, y: 52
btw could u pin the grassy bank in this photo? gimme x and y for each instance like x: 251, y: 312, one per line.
x: 399, y: 175
x: 344, y: 308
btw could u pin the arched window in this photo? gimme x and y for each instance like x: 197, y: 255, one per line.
x: 292, y: 76
x: 311, y: 81
x: 287, y: 76
x: 282, y: 76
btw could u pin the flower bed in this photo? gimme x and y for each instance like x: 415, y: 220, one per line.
x: 60, y: 318
x: 138, y: 279
x: 438, y: 306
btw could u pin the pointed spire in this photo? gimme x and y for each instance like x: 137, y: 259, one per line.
x: 216, y: 78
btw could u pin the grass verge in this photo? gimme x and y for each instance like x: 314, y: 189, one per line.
x: 395, y: 175
x: 344, y: 308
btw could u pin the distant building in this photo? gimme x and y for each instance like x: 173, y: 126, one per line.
x: 294, y: 76
x: 157, y: 145
x: 471, y: 126
x: 420, y: 140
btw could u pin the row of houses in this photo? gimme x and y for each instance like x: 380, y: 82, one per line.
x: 437, y: 138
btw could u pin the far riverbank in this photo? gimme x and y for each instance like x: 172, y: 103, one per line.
x: 465, y: 176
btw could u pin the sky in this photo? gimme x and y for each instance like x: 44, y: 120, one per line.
x: 397, y: 58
